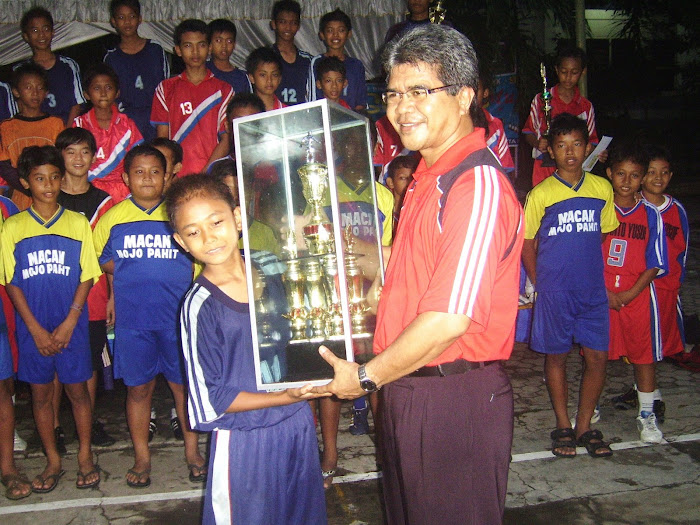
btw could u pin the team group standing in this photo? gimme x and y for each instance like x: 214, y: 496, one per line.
x: 106, y: 210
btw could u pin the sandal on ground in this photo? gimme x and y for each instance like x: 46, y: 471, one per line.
x: 202, y: 469
x: 82, y: 477
x: 53, y: 478
x: 139, y: 484
x: 328, y: 477
x: 13, y: 484
x: 563, y: 439
x: 595, y: 446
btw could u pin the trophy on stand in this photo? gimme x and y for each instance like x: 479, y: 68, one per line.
x: 437, y: 14
x: 546, y: 95
x: 314, y: 180
x: 356, y: 293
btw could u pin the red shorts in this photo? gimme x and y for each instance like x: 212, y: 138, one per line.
x: 635, y: 330
x: 672, y: 335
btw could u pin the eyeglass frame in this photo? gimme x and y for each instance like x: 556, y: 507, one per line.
x: 402, y: 94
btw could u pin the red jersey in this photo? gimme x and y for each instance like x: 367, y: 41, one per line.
x: 498, y: 142
x: 536, y: 124
x: 195, y: 115
x: 278, y: 104
x: 458, y: 255
x: 388, y: 142
x: 637, y: 245
x: 112, y: 146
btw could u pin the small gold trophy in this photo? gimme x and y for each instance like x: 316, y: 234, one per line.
x: 547, y: 160
x: 437, y: 13
x: 356, y: 293
x: 314, y: 180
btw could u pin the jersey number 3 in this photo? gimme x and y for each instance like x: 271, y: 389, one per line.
x: 616, y: 255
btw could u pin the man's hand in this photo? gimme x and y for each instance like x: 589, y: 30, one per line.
x: 304, y: 393
x: 346, y: 382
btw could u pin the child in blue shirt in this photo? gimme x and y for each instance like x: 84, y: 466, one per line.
x: 264, y: 465
x: 48, y: 267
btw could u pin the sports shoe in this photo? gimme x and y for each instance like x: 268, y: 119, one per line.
x: 627, y: 400
x: 152, y: 429
x: 360, y: 425
x: 60, y: 440
x: 660, y: 410
x: 176, y: 428
x: 594, y: 418
x: 100, y: 438
x: 20, y: 444
x: 648, y: 431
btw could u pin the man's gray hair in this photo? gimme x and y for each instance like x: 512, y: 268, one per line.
x: 446, y: 49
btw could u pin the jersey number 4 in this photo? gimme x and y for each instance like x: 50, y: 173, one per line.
x: 616, y: 254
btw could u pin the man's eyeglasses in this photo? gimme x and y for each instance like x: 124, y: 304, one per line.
x: 391, y: 98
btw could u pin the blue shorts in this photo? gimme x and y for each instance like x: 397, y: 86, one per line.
x: 6, y: 368
x: 140, y: 355
x: 73, y: 364
x: 573, y: 316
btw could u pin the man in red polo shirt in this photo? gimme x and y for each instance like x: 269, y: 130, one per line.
x: 446, y: 317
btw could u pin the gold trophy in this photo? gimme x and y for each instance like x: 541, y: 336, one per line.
x: 334, y: 311
x: 547, y: 160
x: 437, y: 13
x: 314, y: 180
x: 317, y: 299
x: 293, y: 280
x: 356, y: 294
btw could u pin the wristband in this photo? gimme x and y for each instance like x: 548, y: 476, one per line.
x: 76, y: 307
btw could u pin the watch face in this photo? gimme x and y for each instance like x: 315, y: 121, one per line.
x: 368, y: 385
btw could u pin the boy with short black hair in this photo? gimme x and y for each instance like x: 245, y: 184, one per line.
x: 78, y: 148
x: 285, y: 22
x: 191, y: 107
x: 115, y: 133
x: 265, y: 74
x: 140, y: 63
x: 134, y: 243
x: 566, y: 98
x: 398, y: 178
x: 332, y: 79
x: 222, y: 36
x: 48, y: 268
x: 496, y: 138
x: 31, y: 126
x: 173, y: 154
x: 635, y: 254
x: 334, y: 30
x: 65, y: 94
x: 567, y: 213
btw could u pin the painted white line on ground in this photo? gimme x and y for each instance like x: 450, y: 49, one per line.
x: 349, y: 478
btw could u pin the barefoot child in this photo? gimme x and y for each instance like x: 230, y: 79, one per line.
x: 264, y: 458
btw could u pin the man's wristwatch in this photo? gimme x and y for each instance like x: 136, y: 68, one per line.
x: 366, y: 383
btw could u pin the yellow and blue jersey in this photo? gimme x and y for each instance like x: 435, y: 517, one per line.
x: 151, y: 272
x: 47, y: 260
x: 568, y: 223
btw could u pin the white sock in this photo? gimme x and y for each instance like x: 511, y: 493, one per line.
x: 646, y: 402
x: 657, y: 395
x: 173, y: 413
x: 153, y: 413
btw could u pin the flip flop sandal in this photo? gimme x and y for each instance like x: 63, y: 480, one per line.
x: 83, y: 477
x: 53, y: 477
x: 139, y: 484
x: 563, y: 438
x: 593, y: 441
x: 202, y: 477
x: 14, y: 481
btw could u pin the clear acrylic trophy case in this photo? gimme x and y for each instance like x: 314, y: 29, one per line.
x: 312, y: 238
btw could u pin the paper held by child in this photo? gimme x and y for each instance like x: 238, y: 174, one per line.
x: 593, y: 157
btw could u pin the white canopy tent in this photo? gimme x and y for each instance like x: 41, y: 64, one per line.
x: 78, y: 21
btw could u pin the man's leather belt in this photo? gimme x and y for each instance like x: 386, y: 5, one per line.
x: 460, y: 366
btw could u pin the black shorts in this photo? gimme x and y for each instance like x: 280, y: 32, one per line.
x: 98, y: 340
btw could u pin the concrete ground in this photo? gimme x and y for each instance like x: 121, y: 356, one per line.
x: 640, y: 484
